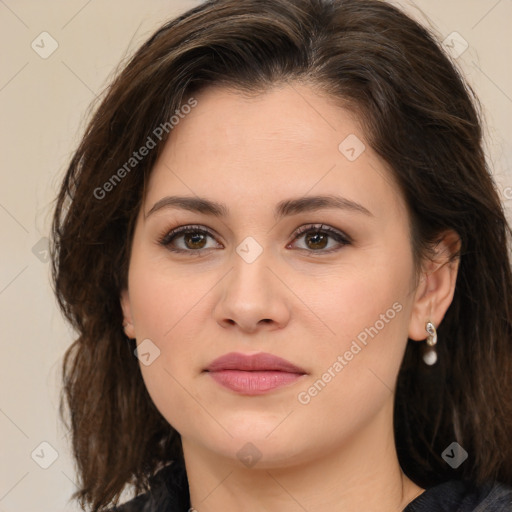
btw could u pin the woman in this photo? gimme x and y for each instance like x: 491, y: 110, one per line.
x: 286, y: 262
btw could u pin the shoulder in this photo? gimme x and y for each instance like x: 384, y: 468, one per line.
x: 168, y: 493
x: 463, y: 496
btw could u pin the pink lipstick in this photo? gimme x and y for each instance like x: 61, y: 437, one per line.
x: 253, y: 374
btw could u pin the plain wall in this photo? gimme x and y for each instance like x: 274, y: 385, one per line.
x: 43, y: 106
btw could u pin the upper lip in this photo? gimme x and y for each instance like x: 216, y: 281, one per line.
x: 255, y: 362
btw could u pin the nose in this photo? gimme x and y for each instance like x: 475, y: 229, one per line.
x: 252, y: 298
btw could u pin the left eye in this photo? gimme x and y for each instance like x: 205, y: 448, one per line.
x: 195, y: 238
x: 317, y: 238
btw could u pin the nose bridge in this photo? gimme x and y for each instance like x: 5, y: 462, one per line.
x: 252, y: 296
x: 250, y: 274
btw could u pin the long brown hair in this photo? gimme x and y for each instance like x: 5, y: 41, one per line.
x: 420, y: 117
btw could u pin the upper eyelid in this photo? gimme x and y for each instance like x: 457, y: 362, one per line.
x: 321, y: 227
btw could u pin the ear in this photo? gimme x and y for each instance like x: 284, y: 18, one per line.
x: 436, y: 287
x: 129, y: 330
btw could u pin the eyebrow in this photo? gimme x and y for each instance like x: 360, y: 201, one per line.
x: 283, y: 209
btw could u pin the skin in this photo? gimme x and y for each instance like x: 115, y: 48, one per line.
x: 295, y: 300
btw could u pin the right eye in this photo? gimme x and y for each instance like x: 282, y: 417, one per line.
x: 187, y: 239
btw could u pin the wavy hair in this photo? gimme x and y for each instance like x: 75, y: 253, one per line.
x: 421, y: 118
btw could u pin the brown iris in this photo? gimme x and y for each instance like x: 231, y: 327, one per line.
x: 319, y: 240
x: 194, y: 240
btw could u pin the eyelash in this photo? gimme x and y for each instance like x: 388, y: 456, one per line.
x: 338, y: 236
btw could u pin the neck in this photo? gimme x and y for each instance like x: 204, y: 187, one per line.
x: 360, y: 473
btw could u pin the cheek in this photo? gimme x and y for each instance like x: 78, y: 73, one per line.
x: 369, y: 297
x: 367, y: 310
x: 168, y: 310
x: 163, y: 297
x: 165, y: 316
x: 356, y: 368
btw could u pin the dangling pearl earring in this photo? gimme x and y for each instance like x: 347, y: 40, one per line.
x: 430, y: 354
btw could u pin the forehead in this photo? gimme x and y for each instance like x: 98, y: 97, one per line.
x: 284, y: 142
x: 295, y: 114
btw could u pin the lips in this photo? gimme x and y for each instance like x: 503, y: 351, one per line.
x: 252, y: 363
x: 253, y: 374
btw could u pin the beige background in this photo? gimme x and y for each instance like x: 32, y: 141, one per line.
x: 43, y: 105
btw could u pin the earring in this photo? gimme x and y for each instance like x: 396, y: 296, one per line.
x: 429, y: 353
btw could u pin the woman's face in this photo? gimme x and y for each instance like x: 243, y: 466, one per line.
x: 305, y: 255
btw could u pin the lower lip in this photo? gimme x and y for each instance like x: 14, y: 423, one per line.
x: 254, y: 382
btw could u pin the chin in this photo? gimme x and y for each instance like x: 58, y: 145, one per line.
x: 253, y: 448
